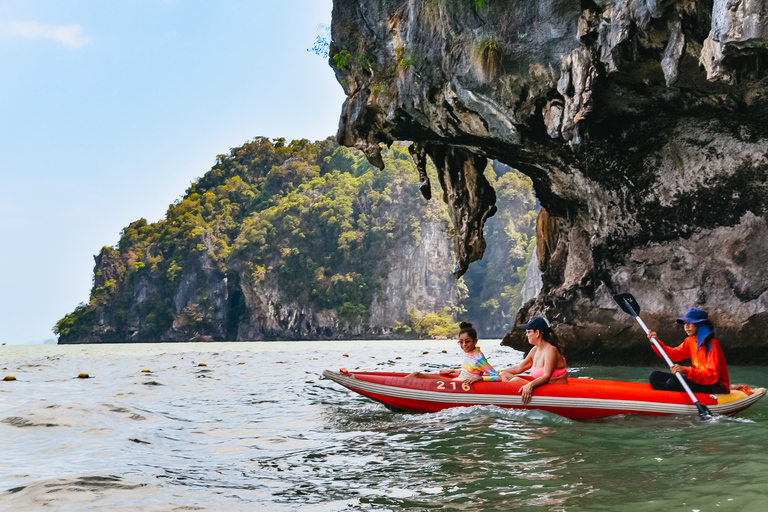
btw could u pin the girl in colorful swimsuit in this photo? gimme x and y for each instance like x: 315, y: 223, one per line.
x: 475, y: 366
x: 545, y: 361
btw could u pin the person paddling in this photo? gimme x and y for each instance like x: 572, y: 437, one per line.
x: 475, y: 366
x: 545, y: 361
x: 709, y: 372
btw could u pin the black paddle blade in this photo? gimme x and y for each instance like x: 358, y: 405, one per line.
x: 627, y: 303
x: 704, y: 412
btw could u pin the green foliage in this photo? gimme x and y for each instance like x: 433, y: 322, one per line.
x: 477, y: 5
x: 342, y: 59
x: 324, y: 239
x: 365, y: 63
x: 78, y: 324
x: 405, y: 59
x: 379, y: 87
x: 100, y: 295
x: 429, y: 324
x: 290, y: 175
x: 402, y: 328
x: 352, y: 312
x: 172, y: 272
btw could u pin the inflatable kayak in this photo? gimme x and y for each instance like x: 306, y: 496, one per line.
x: 580, y: 399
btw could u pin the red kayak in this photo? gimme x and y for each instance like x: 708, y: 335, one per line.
x: 580, y: 399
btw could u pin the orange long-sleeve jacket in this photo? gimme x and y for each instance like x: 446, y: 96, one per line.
x: 708, y: 367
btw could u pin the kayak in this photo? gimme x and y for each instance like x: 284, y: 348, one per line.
x: 579, y: 399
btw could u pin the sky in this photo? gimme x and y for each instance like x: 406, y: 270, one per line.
x: 109, y: 109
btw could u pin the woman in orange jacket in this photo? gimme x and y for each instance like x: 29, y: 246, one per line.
x: 708, y: 373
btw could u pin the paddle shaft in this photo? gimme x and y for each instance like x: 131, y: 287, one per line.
x: 656, y: 344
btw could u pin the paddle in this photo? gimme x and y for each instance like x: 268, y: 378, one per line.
x: 629, y: 305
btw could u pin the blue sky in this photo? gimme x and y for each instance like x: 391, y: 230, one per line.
x: 109, y: 109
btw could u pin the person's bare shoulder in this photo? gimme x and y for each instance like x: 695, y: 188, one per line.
x: 551, y: 351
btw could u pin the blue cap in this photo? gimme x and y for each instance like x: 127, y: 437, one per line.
x: 536, y: 324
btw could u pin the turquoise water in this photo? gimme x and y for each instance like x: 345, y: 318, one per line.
x: 272, y: 434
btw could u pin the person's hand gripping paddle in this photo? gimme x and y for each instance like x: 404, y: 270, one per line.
x: 630, y: 306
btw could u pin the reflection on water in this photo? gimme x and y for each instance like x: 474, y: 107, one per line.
x: 231, y: 436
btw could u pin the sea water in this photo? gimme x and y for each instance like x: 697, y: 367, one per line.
x: 259, y: 428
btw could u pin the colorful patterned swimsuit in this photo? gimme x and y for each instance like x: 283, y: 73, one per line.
x: 476, y: 365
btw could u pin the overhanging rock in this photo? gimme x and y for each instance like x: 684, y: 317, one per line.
x: 642, y: 125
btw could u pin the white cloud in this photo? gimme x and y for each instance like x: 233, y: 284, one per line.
x: 68, y: 35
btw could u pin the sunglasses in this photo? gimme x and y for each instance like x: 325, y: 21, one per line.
x: 462, y: 342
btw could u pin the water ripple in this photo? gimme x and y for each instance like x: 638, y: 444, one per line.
x: 258, y: 435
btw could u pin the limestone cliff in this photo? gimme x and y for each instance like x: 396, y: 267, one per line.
x: 213, y: 305
x: 642, y: 124
x: 418, y: 278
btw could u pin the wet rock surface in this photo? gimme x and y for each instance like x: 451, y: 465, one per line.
x: 642, y: 125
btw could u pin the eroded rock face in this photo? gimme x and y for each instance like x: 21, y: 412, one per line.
x: 190, y: 309
x: 641, y: 123
x: 419, y: 279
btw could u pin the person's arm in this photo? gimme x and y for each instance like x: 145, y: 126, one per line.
x: 524, y: 366
x: 550, y: 361
x: 708, y: 374
x: 489, y: 372
x: 450, y: 371
x: 674, y: 353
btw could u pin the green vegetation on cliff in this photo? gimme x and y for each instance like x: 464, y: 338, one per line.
x: 310, y: 219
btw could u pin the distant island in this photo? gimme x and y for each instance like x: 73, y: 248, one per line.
x: 306, y: 240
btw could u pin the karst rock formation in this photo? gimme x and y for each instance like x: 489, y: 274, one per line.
x: 641, y: 123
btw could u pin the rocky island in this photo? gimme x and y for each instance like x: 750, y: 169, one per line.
x: 306, y: 240
x: 641, y: 123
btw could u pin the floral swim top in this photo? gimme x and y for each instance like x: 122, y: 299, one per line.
x: 475, y: 364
